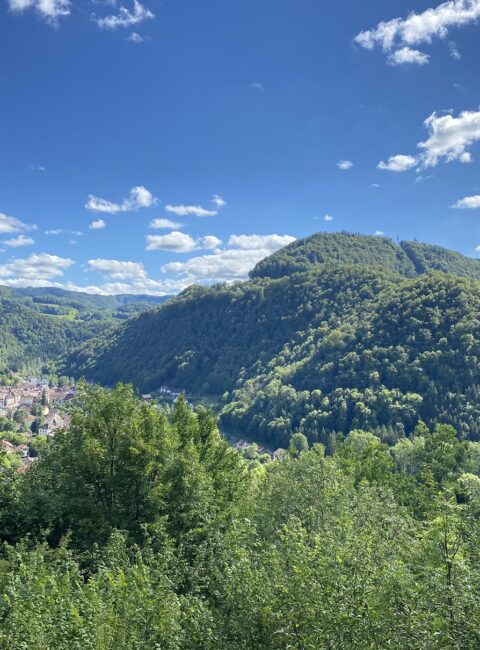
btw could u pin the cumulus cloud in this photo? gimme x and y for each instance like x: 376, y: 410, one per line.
x: 379, y: 233
x: 49, y: 10
x: 98, y: 224
x: 450, y: 137
x: 210, y: 242
x: 398, y: 163
x: 159, y: 224
x: 407, y: 55
x: 37, y: 267
x: 175, y: 241
x: 404, y: 33
x: 328, y: 217
x: 138, y: 197
x: 118, y: 270
x: 228, y: 264
x: 190, y: 210
x: 21, y: 240
x: 125, y: 17
x: 12, y: 225
x: 344, y: 164
x: 260, y: 242
x: 469, y: 202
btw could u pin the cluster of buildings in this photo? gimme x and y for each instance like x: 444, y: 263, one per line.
x: 32, y: 408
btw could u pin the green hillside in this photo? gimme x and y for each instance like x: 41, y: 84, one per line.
x: 408, y: 258
x: 334, y: 348
x: 37, y: 326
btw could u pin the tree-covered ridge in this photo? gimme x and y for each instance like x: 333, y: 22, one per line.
x: 37, y: 326
x: 332, y: 349
x: 140, y: 528
x: 207, y: 337
x: 408, y: 258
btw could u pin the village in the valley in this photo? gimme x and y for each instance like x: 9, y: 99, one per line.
x: 31, y: 411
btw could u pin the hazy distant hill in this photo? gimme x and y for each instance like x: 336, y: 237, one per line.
x: 363, y: 344
x: 39, y: 325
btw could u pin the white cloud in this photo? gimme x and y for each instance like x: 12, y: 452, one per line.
x: 260, y: 242
x: 398, y: 163
x: 344, y: 164
x: 256, y: 85
x: 453, y: 49
x: 407, y: 55
x: 375, y: 185
x: 228, y: 264
x: 138, y: 197
x: 328, y: 217
x: 219, y: 201
x: 379, y: 233
x: 469, y: 202
x: 135, y: 37
x: 37, y: 267
x: 117, y: 270
x: 187, y: 210
x: 125, y: 17
x: 21, y: 240
x: 50, y: 10
x: 450, y: 137
x: 98, y: 224
x: 159, y: 224
x: 420, y: 28
x: 210, y: 242
x: 175, y: 241
x: 11, y: 225
x: 57, y: 231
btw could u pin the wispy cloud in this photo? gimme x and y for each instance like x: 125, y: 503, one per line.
x: 344, y: 165
x: 190, y: 210
x: 139, y: 197
x: 219, y: 201
x: 160, y: 224
x: 135, y: 37
x: 49, y: 10
x: 403, y: 34
x: 12, y: 225
x: 21, y: 240
x: 328, y: 217
x: 124, y: 17
x: 256, y: 85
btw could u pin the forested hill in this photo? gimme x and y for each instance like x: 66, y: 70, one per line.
x: 409, y: 258
x: 39, y: 325
x: 334, y: 348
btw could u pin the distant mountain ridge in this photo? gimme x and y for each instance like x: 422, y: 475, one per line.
x: 378, y: 343
x: 408, y: 258
x: 38, y: 325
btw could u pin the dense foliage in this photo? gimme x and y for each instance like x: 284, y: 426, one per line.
x: 142, y: 529
x: 331, y: 349
x: 408, y: 258
x: 39, y: 325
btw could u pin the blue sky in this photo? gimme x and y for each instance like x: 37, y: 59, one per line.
x: 146, y: 146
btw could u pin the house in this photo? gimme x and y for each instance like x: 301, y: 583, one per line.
x: 10, y: 399
x: 7, y: 446
x: 279, y: 454
x: 147, y: 397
